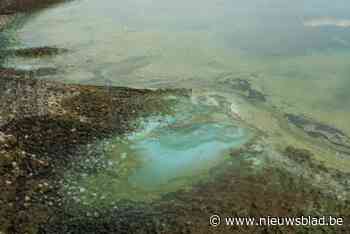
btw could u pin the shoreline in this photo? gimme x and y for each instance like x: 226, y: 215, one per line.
x: 42, y: 122
x: 8, y: 7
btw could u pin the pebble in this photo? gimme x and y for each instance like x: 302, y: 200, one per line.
x: 2, y: 137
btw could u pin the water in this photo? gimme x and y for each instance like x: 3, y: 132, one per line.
x: 192, y: 141
x: 165, y: 154
x: 296, y: 52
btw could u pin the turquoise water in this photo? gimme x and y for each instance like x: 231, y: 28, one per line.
x: 174, y: 152
x: 180, y: 152
x: 165, y: 154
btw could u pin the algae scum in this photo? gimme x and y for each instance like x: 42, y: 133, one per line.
x: 164, y: 154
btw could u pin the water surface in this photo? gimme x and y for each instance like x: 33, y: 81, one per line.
x: 296, y: 51
x: 165, y: 154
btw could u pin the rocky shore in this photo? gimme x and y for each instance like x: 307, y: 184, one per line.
x: 44, y: 125
x: 8, y: 7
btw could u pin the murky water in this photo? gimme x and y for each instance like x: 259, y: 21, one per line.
x: 296, y: 51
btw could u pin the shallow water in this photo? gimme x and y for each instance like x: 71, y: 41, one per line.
x: 191, y: 142
x: 165, y: 154
x: 295, y: 51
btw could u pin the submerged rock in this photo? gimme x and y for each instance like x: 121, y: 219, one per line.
x: 245, y: 88
x: 320, y: 130
x: 256, y: 95
x: 34, y: 52
x: 241, y: 84
x: 298, y: 155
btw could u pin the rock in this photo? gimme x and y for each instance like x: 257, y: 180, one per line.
x: 35, y: 52
x: 2, y: 137
x: 298, y: 155
x: 320, y: 130
x: 27, y: 198
x: 7, y: 141
x: 241, y: 84
x: 245, y: 87
x: 256, y: 95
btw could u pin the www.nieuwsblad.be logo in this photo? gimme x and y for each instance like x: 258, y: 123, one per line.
x: 215, y: 220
